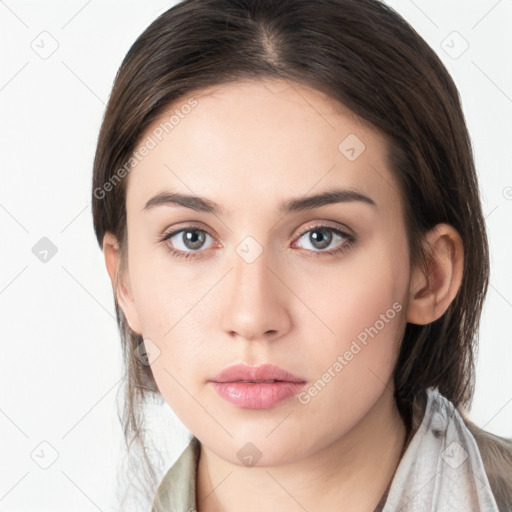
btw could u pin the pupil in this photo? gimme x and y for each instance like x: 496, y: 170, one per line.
x: 193, y: 239
x: 322, y: 240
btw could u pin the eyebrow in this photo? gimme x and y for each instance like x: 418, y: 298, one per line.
x: 202, y: 204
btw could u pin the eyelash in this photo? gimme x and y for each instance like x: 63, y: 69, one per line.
x: 345, y: 246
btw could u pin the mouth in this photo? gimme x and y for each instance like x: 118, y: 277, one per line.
x: 262, y: 373
x: 259, y: 381
x: 260, y: 387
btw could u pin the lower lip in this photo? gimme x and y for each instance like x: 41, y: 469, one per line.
x: 261, y: 395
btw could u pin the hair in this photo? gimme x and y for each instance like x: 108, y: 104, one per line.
x: 365, y: 56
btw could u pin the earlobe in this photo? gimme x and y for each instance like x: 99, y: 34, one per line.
x: 431, y: 293
x: 120, y: 281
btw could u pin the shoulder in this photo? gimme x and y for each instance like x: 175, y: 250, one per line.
x: 496, y: 453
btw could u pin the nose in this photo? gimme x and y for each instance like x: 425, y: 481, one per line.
x: 255, y: 299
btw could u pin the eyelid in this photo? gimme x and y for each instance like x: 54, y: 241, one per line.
x: 182, y: 226
x: 326, y: 224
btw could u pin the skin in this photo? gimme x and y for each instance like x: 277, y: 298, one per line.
x: 248, y: 146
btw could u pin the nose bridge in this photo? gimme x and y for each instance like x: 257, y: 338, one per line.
x: 250, y: 268
x: 254, y: 306
x: 252, y: 278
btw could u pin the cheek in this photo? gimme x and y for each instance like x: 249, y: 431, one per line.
x: 365, y: 288
x: 354, y: 367
x: 180, y: 367
x: 161, y: 293
x: 168, y: 307
x: 362, y: 312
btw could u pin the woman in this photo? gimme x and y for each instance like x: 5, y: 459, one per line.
x: 287, y: 202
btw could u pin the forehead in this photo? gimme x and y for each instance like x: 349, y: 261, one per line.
x: 259, y: 141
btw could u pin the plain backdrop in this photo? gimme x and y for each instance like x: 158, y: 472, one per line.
x: 60, y: 369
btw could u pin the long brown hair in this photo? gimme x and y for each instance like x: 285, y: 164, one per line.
x: 366, y: 56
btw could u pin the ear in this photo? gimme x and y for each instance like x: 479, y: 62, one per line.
x: 120, y: 281
x: 431, y: 294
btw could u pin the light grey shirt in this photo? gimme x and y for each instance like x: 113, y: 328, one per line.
x: 441, y: 470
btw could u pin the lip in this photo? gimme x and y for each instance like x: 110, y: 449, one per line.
x: 256, y: 387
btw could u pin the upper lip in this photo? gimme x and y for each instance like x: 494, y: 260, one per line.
x: 265, y: 372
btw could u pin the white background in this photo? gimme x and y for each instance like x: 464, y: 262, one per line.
x: 60, y: 368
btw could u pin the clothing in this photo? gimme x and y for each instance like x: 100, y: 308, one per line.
x: 441, y: 470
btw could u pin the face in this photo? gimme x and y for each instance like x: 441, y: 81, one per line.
x: 257, y: 273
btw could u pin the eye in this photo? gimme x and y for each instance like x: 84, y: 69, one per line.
x: 191, y: 242
x: 322, y: 237
x: 185, y: 242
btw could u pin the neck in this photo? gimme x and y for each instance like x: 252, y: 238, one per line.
x: 355, y: 470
